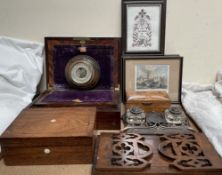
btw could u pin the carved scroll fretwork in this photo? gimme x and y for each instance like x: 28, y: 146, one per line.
x: 185, y: 152
x: 130, y: 152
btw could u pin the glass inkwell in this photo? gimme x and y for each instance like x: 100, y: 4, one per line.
x: 135, y: 116
x: 175, y: 115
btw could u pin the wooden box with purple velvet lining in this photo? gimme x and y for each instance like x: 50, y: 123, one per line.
x: 104, y: 95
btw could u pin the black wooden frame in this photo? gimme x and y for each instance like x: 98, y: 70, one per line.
x: 163, y: 3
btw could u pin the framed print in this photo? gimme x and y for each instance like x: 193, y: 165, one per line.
x: 144, y: 73
x: 151, y: 77
x: 143, y: 26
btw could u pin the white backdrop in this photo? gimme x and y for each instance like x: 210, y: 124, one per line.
x: 193, y: 27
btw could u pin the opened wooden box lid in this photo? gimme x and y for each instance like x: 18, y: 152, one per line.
x: 81, y: 58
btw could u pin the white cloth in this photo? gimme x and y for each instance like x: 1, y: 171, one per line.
x: 203, y: 104
x: 21, y: 66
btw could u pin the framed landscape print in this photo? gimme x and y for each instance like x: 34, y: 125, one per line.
x: 145, y: 73
x: 151, y: 77
x: 143, y: 26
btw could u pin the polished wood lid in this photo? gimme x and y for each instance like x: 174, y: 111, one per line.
x: 138, y: 97
x: 52, y: 122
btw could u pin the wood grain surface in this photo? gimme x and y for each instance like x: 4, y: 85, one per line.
x: 159, y: 164
x: 44, y: 136
x: 52, y: 122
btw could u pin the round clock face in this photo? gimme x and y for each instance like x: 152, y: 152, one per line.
x: 82, y: 71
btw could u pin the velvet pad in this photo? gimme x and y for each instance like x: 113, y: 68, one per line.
x: 81, y: 96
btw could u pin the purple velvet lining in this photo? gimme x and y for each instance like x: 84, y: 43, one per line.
x: 103, y: 92
x: 102, y: 54
x: 85, y: 96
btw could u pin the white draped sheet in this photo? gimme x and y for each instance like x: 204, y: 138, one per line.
x: 21, y: 66
x: 204, y: 104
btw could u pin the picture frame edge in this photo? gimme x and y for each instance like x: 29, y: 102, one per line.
x: 162, y: 28
x: 126, y: 57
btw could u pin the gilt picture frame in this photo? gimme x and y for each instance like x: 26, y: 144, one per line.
x: 146, y: 73
x: 143, y: 26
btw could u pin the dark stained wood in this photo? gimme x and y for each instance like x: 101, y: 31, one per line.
x: 61, y: 135
x: 159, y: 164
x: 109, y: 120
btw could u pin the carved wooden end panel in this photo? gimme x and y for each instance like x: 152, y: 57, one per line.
x: 123, y: 152
x: 185, y: 152
x: 130, y: 152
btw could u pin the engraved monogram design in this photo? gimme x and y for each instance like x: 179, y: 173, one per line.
x: 184, y: 150
x: 142, y: 34
x: 130, y: 151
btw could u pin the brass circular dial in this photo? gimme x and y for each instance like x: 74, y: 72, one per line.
x: 82, y: 71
